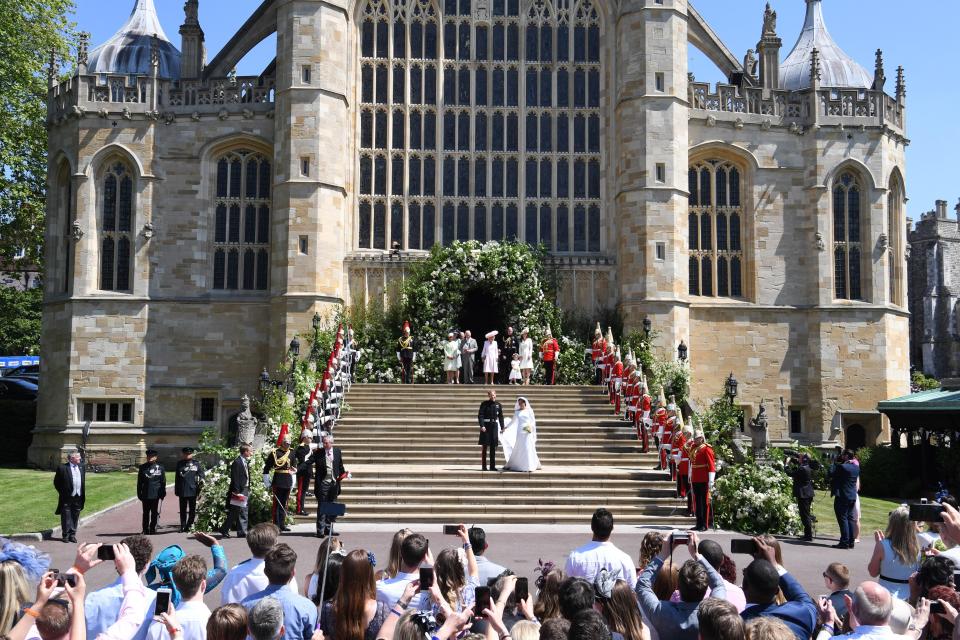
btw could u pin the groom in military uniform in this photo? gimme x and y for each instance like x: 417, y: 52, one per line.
x: 490, y: 418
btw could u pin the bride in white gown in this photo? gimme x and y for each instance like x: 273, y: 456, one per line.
x: 519, y: 439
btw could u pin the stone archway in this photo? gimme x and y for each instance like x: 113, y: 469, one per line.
x: 481, y: 312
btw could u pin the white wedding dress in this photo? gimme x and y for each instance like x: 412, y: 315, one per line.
x: 519, y: 440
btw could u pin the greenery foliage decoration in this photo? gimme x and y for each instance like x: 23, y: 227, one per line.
x: 721, y: 422
x: 922, y: 382
x: 756, y: 499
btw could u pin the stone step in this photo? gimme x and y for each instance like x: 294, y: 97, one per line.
x: 432, y: 475
x: 590, y: 423
x: 386, y: 439
x: 495, y: 514
x: 663, y: 499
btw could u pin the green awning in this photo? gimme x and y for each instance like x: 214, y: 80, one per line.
x: 937, y: 410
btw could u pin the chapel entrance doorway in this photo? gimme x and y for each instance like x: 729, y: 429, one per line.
x: 856, y: 437
x: 481, y: 312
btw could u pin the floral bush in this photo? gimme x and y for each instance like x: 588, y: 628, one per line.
x: 756, y: 499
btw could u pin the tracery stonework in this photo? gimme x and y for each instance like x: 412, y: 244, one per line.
x: 719, y: 212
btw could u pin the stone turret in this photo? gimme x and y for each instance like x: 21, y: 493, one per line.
x: 193, y: 51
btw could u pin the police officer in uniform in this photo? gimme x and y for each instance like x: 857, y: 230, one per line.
x: 490, y: 418
x: 151, y: 489
x: 186, y: 485
x: 281, y: 462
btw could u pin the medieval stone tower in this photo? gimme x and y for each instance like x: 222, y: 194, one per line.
x: 198, y: 219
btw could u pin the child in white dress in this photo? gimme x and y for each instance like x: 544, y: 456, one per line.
x: 515, y: 369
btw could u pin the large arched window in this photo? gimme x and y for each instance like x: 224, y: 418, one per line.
x: 896, y: 226
x: 479, y: 122
x: 116, y: 222
x: 847, y: 237
x: 715, y: 233
x: 241, y: 233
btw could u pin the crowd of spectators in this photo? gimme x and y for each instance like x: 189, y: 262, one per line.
x: 683, y: 588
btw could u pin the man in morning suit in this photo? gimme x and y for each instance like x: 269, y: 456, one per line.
x: 801, y: 470
x: 70, y: 480
x: 238, y: 494
x: 843, y: 488
x: 187, y: 482
x: 490, y: 417
x: 328, y: 472
x: 763, y: 579
x: 151, y: 489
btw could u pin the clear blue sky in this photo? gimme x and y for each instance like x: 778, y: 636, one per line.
x: 922, y: 37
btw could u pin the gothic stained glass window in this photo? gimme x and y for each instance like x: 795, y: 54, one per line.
x: 241, y: 239
x: 499, y: 104
x: 846, y: 237
x: 116, y: 222
x: 714, y: 218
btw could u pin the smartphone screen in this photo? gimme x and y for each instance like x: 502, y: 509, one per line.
x: 483, y: 600
x: 105, y: 552
x: 522, y: 590
x: 450, y: 529
x: 745, y: 546
x: 426, y: 578
x: 163, y: 602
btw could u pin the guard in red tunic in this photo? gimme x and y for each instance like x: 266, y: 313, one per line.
x: 550, y: 351
x: 679, y: 440
x: 703, y: 470
x: 660, y: 419
x: 633, y: 394
x: 683, y: 469
x: 599, y: 349
x: 616, y: 380
x: 644, y: 421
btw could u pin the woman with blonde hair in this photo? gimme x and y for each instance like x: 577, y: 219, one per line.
x: 649, y: 548
x: 14, y: 593
x: 896, y: 554
x: 525, y: 630
x: 457, y: 587
x: 355, y: 613
x: 622, y: 612
x: 393, y: 562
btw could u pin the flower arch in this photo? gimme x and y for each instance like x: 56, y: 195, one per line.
x: 432, y: 297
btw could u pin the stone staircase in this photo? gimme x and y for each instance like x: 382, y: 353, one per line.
x: 414, y: 457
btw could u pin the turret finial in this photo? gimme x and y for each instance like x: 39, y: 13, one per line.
x: 52, y: 67
x: 901, y: 84
x: 154, y: 51
x: 815, y: 67
x: 191, y: 12
x: 769, y: 22
x: 83, y: 48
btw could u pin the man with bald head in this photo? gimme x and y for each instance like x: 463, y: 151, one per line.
x: 870, y: 610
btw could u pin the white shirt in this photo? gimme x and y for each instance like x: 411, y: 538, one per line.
x: 77, y: 481
x: 587, y: 561
x: 953, y: 554
x: 390, y: 590
x: 246, y: 579
x: 864, y: 632
x: 192, y: 616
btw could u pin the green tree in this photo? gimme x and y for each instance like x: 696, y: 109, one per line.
x: 29, y: 31
x: 20, y: 321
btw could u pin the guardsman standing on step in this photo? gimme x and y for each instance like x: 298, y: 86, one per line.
x: 616, y: 381
x: 151, y: 489
x: 599, y: 348
x: 187, y: 483
x: 644, y: 423
x: 406, y: 353
x: 703, y: 471
x: 550, y: 351
x: 281, y: 462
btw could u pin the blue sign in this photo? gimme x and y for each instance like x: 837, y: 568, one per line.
x: 12, y: 362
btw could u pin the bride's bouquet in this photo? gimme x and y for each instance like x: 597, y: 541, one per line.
x: 527, y: 429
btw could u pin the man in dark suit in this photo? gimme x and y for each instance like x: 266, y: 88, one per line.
x: 801, y: 470
x: 328, y: 472
x: 238, y: 494
x: 70, y: 480
x: 762, y: 579
x: 843, y: 487
x: 490, y: 417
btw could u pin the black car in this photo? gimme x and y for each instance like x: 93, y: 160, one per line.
x: 18, y: 406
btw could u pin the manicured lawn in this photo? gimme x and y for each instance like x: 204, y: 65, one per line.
x: 29, y: 499
x: 873, y: 515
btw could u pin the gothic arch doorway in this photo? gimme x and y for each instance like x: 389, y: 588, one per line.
x: 855, y: 437
x: 481, y: 312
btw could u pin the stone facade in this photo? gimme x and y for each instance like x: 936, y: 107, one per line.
x: 934, y: 272
x: 193, y: 316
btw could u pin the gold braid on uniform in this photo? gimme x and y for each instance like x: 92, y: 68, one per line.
x: 406, y: 343
x: 281, y: 463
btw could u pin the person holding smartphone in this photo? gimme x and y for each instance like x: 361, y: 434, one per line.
x: 458, y: 587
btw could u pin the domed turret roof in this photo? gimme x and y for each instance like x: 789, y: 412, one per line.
x: 128, y: 51
x: 837, y: 69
